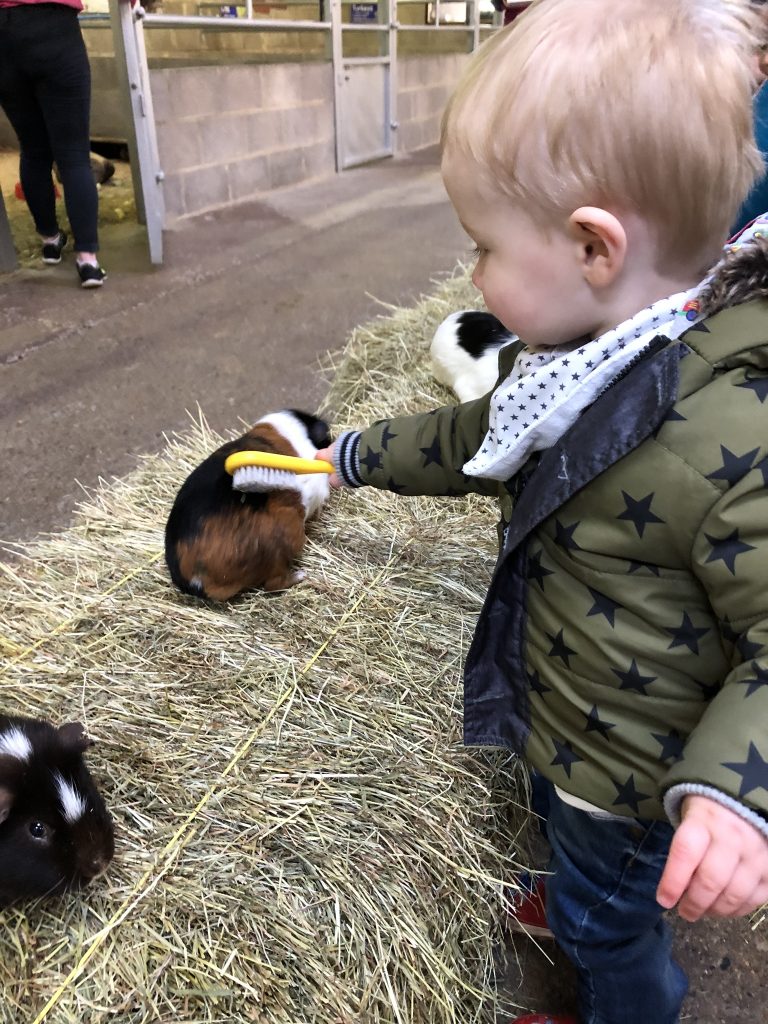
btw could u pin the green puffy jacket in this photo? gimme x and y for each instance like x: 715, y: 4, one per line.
x: 623, y: 645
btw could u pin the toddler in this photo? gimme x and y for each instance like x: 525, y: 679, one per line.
x: 596, y: 152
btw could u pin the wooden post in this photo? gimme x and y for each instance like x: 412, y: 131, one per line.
x: 8, y: 259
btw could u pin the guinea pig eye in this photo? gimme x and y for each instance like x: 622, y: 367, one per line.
x: 38, y: 830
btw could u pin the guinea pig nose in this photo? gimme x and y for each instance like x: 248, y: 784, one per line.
x: 93, y: 868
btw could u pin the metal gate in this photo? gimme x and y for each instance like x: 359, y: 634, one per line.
x: 131, y: 57
x: 364, y: 85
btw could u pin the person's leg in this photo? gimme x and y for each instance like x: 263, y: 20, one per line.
x: 20, y: 104
x: 602, y: 909
x: 63, y: 91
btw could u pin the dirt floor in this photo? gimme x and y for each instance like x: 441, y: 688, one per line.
x: 116, y: 205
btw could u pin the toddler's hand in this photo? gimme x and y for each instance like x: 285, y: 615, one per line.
x: 717, y: 864
x: 327, y: 455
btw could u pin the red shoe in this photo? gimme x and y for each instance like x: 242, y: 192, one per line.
x: 544, y: 1018
x: 530, y: 917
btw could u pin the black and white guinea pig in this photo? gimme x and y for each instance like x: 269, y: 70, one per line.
x: 219, y: 541
x: 465, y: 352
x: 55, y: 831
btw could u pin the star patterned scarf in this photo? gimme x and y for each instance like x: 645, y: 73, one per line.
x: 548, y: 389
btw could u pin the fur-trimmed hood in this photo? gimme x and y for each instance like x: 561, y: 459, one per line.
x: 740, y: 276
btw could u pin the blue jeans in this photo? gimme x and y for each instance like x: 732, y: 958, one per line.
x: 601, y: 906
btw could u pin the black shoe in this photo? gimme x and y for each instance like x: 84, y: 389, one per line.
x: 52, y: 250
x: 91, y: 275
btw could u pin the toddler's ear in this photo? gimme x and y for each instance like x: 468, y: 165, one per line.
x: 601, y: 242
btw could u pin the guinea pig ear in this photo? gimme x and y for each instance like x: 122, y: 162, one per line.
x: 9, y: 772
x: 6, y: 802
x: 74, y: 737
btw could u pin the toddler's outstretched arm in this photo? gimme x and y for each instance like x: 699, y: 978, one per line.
x: 717, y: 865
x: 326, y: 454
x: 419, y: 454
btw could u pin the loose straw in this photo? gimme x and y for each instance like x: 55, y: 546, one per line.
x: 184, y: 832
x: 72, y: 618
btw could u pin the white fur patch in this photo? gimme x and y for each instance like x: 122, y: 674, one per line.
x: 293, y: 430
x: 468, y: 376
x: 313, y: 487
x: 73, y: 804
x: 15, y: 743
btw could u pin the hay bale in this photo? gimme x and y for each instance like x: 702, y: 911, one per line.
x: 300, y: 834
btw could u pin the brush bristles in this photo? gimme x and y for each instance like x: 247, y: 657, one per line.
x: 256, y: 478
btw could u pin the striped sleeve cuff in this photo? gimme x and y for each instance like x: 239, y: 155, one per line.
x: 346, y: 458
x: 673, y: 800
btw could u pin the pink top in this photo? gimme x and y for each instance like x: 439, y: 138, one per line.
x: 76, y: 4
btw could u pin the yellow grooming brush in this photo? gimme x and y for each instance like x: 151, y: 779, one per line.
x: 265, y: 471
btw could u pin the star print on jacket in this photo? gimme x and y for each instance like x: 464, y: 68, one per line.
x: 757, y: 680
x: 753, y: 771
x: 596, y: 724
x: 565, y: 756
x: 371, y: 460
x: 734, y: 467
x: 639, y: 512
x: 627, y: 793
x: 757, y: 384
x: 632, y: 679
x: 535, y: 683
x: 559, y: 648
x: 671, y: 745
x: 432, y: 453
x: 536, y: 570
x: 748, y: 648
x: 726, y: 549
x: 603, y: 605
x: 564, y: 534
x: 386, y: 437
x: 687, y: 634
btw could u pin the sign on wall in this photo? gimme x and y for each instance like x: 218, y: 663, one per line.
x: 364, y: 13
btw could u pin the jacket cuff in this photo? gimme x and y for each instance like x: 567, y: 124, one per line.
x: 346, y: 458
x: 674, y: 797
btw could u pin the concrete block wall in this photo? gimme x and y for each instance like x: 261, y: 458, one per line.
x: 227, y: 134
x: 424, y: 84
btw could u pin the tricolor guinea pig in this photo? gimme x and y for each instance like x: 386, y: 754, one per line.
x: 465, y: 352
x: 219, y: 541
x: 55, y: 831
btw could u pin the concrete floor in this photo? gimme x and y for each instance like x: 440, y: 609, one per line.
x: 235, y: 321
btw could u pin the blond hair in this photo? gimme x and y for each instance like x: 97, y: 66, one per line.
x: 636, y: 104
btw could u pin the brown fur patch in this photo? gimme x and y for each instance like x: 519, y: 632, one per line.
x: 741, y: 275
x: 245, y: 547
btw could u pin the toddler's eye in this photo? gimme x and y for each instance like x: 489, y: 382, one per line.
x: 476, y: 252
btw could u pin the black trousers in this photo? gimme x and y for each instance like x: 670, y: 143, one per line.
x: 45, y: 91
